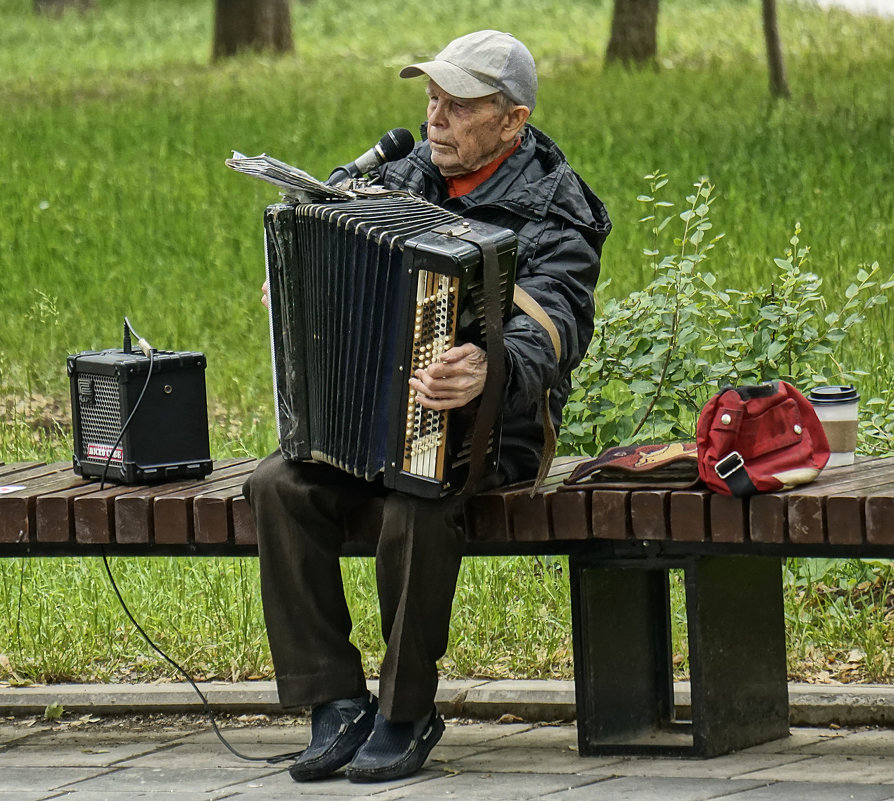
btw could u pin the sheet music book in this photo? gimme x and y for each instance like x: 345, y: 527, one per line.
x: 295, y: 182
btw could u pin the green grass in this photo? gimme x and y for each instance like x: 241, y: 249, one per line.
x: 62, y: 622
x: 114, y: 200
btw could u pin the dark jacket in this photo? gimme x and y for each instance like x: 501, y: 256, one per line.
x: 561, y: 226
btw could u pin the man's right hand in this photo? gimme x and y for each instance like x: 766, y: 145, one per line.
x: 265, y: 296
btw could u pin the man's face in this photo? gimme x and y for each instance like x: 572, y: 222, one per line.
x: 465, y: 134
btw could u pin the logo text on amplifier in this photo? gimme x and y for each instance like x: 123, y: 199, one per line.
x: 95, y: 451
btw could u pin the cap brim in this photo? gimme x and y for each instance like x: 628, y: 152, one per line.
x: 452, y: 79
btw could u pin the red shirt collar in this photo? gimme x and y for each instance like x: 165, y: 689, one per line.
x: 463, y: 184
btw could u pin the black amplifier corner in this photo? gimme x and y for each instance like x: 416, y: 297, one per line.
x: 167, y: 438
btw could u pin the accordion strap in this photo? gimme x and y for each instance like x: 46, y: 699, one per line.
x: 533, y: 309
x: 492, y: 395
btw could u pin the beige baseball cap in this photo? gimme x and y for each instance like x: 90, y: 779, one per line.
x: 480, y: 64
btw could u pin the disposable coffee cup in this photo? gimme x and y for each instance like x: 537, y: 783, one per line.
x: 836, y: 408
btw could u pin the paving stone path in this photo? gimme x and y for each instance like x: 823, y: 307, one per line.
x: 474, y: 762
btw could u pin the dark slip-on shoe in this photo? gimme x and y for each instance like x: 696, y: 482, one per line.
x: 395, y: 750
x: 338, y: 729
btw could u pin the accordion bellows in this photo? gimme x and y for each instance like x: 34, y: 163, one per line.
x: 363, y: 293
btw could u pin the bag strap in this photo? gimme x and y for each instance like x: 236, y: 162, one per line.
x: 533, y: 309
x: 731, y: 470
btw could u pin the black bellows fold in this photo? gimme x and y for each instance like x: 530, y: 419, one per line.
x: 362, y: 293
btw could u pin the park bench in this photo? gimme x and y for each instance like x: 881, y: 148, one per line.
x: 621, y: 544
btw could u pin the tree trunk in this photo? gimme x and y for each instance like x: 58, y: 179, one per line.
x: 251, y: 25
x: 634, y: 35
x: 775, y: 61
x: 54, y: 8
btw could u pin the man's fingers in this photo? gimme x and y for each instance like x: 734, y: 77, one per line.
x: 459, y: 352
x: 454, y: 380
x: 435, y: 388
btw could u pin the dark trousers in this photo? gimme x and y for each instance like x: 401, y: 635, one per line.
x: 304, y: 512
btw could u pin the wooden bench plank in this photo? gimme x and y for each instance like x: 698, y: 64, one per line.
x: 767, y: 521
x: 807, y: 506
x: 610, y: 515
x: 649, y: 513
x: 847, y: 507
x: 94, y: 513
x: 8, y: 470
x: 846, y: 514
x: 879, y: 517
x: 18, y: 510
x: 729, y: 518
x: 528, y: 516
x: 212, y: 512
x: 485, y: 518
x: 569, y: 515
x: 689, y: 516
x: 244, y: 532
x: 134, y: 512
x: 172, y: 512
x: 55, y: 513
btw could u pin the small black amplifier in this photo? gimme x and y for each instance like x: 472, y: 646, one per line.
x: 167, y: 437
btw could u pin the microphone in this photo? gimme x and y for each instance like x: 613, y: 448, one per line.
x: 394, y: 145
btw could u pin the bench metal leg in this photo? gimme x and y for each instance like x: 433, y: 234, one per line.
x: 736, y: 652
x: 622, y: 655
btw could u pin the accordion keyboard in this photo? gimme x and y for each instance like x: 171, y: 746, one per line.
x: 434, y: 332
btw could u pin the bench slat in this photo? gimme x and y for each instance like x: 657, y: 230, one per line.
x: 212, y: 512
x: 18, y: 522
x: 94, y: 513
x: 610, y: 515
x: 173, y: 511
x: 569, y: 516
x: 879, y: 510
x: 808, y: 521
x: 9, y: 470
x: 729, y: 518
x: 689, y: 516
x: 244, y: 532
x: 134, y: 512
x: 649, y: 511
x: 848, y: 507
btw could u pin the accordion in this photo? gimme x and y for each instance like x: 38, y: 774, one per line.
x: 362, y: 293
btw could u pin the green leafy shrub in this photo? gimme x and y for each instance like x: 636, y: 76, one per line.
x: 661, y: 352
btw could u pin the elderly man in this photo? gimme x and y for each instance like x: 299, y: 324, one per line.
x: 482, y: 160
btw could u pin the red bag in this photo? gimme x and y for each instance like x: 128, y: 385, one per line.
x: 759, y: 439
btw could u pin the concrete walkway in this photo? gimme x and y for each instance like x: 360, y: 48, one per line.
x: 115, y: 760
x: 144, y: 746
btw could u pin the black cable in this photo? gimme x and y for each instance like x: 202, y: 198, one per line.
x: 209, y: 712
x: 105, y: 469
x: 205, y: 705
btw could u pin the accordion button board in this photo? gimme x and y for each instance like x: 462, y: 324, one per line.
x: 362, y: 294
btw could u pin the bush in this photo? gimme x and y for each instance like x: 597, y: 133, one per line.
x: 661, y: 352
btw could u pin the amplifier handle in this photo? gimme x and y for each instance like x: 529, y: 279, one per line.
x: 533, y: 309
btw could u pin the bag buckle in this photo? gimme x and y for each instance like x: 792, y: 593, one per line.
x: 729, y: 464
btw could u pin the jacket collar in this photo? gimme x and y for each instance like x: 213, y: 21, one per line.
x: 525, y: 183
x: 534, y: 181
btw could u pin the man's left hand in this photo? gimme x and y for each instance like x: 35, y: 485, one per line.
x: 455, y: 379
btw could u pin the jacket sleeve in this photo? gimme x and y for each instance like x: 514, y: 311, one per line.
x: 558, y: 268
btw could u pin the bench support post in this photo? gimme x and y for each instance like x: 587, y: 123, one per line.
x: 623, y: 655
